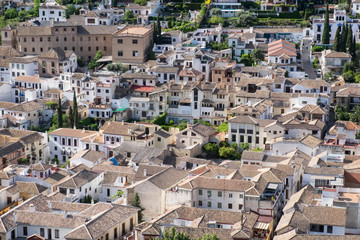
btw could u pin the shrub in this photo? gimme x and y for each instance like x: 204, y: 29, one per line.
x: 317, y: 49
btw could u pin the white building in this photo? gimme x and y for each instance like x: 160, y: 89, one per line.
x: 51, y: 10
x: 65, y: 142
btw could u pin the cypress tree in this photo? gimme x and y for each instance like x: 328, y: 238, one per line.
x: 59, y: 113
x: 158, y: 30
x: 343, y: 38
x: 337, y: 39
x: 349, y: 39
x: 353, y: 49
x: 155, y: 34
x: 75, y: 112
x: 71, y: 117
x: 326, y: 30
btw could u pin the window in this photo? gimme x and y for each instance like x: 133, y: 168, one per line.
x: 115, y: 233
x: 135, y: 41
x: 42, y: 232
x: 120, y: 53
x: 219, y: 194
x: 230, y: 206
x: 25, y: 231
x: 135, y: 53
x: 72, y: 191
x: 108, y: 192
x: 240, y: 206
x: 219, y: 205
x: 209, y: 204
x: 200, y: 204
x: 209, y: 193
x: 330, y: 229
x: 230, y: 195
x: 56, y: 233
x: 200, y: 191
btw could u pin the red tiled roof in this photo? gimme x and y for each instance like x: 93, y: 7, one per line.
x: 281, y: 47
x: 138, y: 88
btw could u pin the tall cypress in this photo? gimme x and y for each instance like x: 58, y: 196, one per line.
x: 75, y: 111
x: 349, y: 39
x: 353, y: 49
x: 71, y: 117
x: 59, y: 113
x: 326, y: 30
x: 343, y: 38
x: 158, y: 30
x: 336, y: 46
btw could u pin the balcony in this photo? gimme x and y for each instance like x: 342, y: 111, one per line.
x: 173, y: 106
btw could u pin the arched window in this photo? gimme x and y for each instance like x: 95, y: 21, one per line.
x: 117, y: 139
x: 107, y: 138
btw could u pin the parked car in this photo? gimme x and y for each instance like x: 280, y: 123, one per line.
x: 306, y: 76
x: 318, y: 72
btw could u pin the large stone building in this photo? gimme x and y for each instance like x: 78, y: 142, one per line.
x: 85, y: 41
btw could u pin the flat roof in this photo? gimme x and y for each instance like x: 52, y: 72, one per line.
x: 133, y: 30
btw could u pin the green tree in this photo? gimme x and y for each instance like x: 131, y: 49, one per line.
x: 329, y: 77
x: 336, y: 46
x: 229, y: 153
x: 211, y: 150
x: 224, y: 127
x: 129, y: 17
x: 93, y: 63
x: 257, y: 55
x: 137, y: 203
x: 343, y: 38
x: 234, y: 146
x: 243, y: 19
x: 117, y: 68
x: 349, y: 76
x: 326, y: 31
x: 353, y: 49
x: 10, y: 13
x: 216, y: 20
x: 75, y: 110
x: 349, y: 39
x: 80, y: 62
x: 22, y: 16
x: 159, y: 120
x: 141, y: 2
x: 158, y: 30
x: 216, y: 12
x: 70, y: 10
x: 36, y: 7
x: 245, y: 146
x: 71, y: 117
x: 59, y: 113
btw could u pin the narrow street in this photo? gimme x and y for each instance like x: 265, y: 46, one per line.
x: 305, y: 57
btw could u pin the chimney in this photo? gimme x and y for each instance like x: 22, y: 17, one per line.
x: 50, y: 205
x: 187, y: 125
x: 31, y: 208
x: 122, y: 122
x: 51, y: 22
x: 14, y: 216
x: 145, y: 172
x: 92, y: 202
x: 83, y: 130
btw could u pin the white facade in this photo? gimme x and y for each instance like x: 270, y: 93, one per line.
x: 52, y: 11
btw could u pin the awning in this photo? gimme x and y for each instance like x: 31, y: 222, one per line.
x: 105, y: 59
x: 273, y: 186
x: 120, y: 110
x: 323, y: 177
x: 261, y: 225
